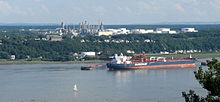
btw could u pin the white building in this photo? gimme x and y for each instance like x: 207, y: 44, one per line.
x: 172, y: 32
x: 82, y: 41
x: 107, y: 40
x: 74, y: 33
x: 158, y: 32
x: 119, y: 31
x: 129, y: 51
x: 189, y: 30
x: 163, y: 30
x: 88, y: 53
x: 150, y: 31
x: 147, y: 40
x: 12, y: 57
x: 165, y: 52
x: 106, y: 33
x: 141, y: 31
x: 123, y: 31
x: 114, y: 31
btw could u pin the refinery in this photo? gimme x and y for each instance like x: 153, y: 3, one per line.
x: 84, y: 28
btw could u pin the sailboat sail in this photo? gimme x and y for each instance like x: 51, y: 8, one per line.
x: 75, y: 88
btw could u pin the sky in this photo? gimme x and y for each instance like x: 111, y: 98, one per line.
x: 109, y: 11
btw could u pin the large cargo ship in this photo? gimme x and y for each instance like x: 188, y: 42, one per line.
x: 142, y: 62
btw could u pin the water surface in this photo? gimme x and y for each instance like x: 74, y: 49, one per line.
x: 54, y: 83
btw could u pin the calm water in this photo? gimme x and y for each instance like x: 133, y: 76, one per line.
x: 54, y: 83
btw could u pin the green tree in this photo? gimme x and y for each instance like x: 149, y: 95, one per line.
x: 210, y: 80
x: 4, y: 55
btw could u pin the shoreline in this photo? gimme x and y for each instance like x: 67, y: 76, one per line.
x: 49, y: 62
x: 196, y: 55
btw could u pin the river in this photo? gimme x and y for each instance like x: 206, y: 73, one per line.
x: 54, y: 83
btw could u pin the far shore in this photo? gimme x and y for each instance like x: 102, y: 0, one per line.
x: 2, y: 62
x: 196, y: 55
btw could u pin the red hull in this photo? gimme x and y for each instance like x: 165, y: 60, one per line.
x: 165, y: 66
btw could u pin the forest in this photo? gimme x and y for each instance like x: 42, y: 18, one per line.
x: 23, y: 44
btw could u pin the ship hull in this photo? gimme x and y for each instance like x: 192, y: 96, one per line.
x: 149, y: 65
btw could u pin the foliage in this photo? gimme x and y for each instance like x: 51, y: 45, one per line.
x: 210, y: 80
x: 23, y: 44
x: 192, y: 97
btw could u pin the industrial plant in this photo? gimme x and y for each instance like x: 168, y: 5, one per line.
x: 84, y: 28
x: 98, y: 30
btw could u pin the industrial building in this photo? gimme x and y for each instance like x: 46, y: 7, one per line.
x: 165, y: 31
x: 88, y: 53
x: 141, y: 31
x: 106, y: 33
x: 98, y: 30
x: 54, y: 38
x: 185, y: 30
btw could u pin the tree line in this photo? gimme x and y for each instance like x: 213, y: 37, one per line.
x: 23, y: 44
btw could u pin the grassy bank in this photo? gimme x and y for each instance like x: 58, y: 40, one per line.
x: 197, y: 55
x: 49, y: 62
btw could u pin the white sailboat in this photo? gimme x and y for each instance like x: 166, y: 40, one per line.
x: 75, y: 88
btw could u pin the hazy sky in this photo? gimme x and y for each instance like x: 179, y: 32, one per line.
x: 109, y: 11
